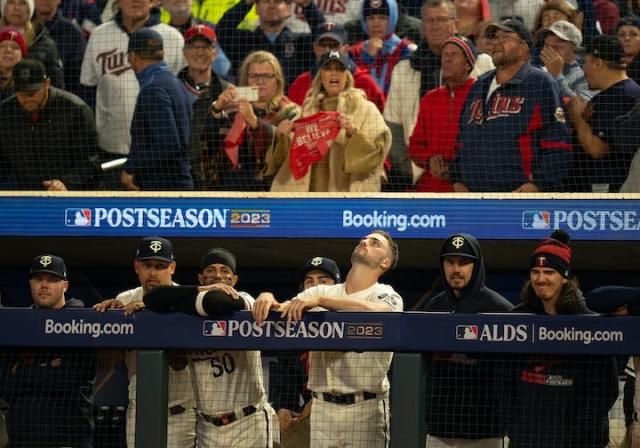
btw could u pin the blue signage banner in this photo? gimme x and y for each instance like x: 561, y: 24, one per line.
x: 343, y: 331
x: 317, y: 218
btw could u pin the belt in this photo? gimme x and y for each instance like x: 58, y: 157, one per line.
x: 176, y: 410
x: 229, y: 417
x: 344, y: 398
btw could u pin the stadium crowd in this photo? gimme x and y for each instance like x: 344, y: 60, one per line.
x: 219, y: 398
x: 322, y: 96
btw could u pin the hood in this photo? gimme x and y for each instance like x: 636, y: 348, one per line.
x: 393, y: 17
x: 478, y: 276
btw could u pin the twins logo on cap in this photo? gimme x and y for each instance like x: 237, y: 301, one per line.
x: 457, y: 242
x: 317, y: 261
x: 155, y: 246
x: 45, y: 260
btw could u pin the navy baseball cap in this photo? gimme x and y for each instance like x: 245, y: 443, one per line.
x: 145, y: 39
x: 458, y: 245
x: 218, y: 255
x: 155, y: 248
x: 50, y: 264
x: 511, y: 25
x: 338, y: 56
x: 323, y: 264
x: 607, y: 48
x: 29, y: 75
x: 608, y: 299
x: 330, y: 30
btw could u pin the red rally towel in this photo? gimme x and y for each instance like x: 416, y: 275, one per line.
x: 312, y: 136
x: 234, y: 139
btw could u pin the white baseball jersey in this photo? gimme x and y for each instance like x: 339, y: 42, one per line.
x: 227, y: 380
x: 350, y: 372
x: 338, y: 11
x: 105, y: 66
x: 181, y: 428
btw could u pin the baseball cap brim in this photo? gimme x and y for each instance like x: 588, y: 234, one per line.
x: 332, y: 36
x: 155, y: 258
x: 34, y: 87
x: 458, y: 254
x: 608, y: 299
x: 47, y: 271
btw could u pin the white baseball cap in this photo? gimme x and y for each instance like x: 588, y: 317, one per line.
x: 565, y: 31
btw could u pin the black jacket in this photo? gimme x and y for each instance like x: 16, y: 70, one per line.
x: 461, y: 391
x: 56, y: 143
x: 43, y: 48
x: 558, y: 401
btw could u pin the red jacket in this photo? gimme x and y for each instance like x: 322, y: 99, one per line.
x: 362, y: 80
x: 436, y: 132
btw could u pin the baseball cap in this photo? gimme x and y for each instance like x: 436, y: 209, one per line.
x: 29, y: 75
x: 50, y: 264
x: 338, y: 56
x: 155, y: 248
x: 145, y: 39
x: 321, y: 263
x: 200, y: 32
x: 15, y: 36
x: 607, y: 48
x: 564, y: 30
x: 218, y: 255
x: 330, y: 30
x: 631, y: 20
x: 511, y: 25
x: 458, y: 245
x: 608, y: 299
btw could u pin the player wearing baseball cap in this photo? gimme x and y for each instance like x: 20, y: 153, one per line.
x: 49, y: 390
x: 154, y: 265
x: 231, y: 401
x: 350, y: 390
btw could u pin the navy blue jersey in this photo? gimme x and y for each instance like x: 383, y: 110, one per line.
x: 516, y: 135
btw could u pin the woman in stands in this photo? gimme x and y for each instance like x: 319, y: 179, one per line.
x: 341, y: 142
x: 242, y: 124
x: 628, y: 32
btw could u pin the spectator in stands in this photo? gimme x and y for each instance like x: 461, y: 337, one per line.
x: 484, y: 43
x: 181, y: 18
x: 461, y: 387
x: 111, y: 83
x: 335, y: 12
x: 294, y: 51
x: 155, y: 265
x: 160, y: 155
x: 289, y: 376
x: 607, y: 14
x: 412, y: 79
x: 557, y: 400
x: 240, y: 131
x: 513, y: 133
x: 551, y: 12
x: 17, y: 14
x: 200, y: 52
x: 13, y: 49
x: 69, y: 38
x: 562, y: 40
x: 49, y: 390
x: 39, y: 149
x: 213, y: 10
x: 349, y: 408
x: 231, y: 403
x: 354, y: 141
x: 84, y: 13
x: 432, y: 144
x: 382, y: 49
x: 628, y: 32
x: 471, y: 13
x: 330, y: 36
x: 600, y: 164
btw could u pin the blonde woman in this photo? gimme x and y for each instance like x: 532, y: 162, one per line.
x: 242, y: 127
x: 354, y: 160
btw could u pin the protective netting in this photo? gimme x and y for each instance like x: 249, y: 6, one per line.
x: 434, y: 115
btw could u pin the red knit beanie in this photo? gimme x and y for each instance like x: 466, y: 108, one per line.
x: 553, y: 253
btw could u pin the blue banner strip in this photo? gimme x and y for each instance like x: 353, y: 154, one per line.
x: 410, y: 332
x: 317, y: 218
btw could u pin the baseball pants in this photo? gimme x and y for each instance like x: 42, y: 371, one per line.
x: 258, y: 430
x: 447, y: 442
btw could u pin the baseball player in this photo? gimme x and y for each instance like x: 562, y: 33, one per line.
x: 350, y: 390
x: 231, y: 402
x: 288, y: 380
x: 155, y: 266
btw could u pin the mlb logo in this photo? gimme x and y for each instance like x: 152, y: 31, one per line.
x: 214, y: 328
x: 77, y: 217
x: 467, y: 332
x: 536, y: 220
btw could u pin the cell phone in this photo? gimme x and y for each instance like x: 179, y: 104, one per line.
x: 247, y: 93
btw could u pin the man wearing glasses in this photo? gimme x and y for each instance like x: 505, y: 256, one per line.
x: 513, y: 132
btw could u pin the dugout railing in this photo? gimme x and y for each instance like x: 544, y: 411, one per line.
x: 408, y: 334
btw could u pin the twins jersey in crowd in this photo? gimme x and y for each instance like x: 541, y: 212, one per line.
x: 228, y: 381
x: 512, y: 134
x: 180, y: 425
x: 105, y: 66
